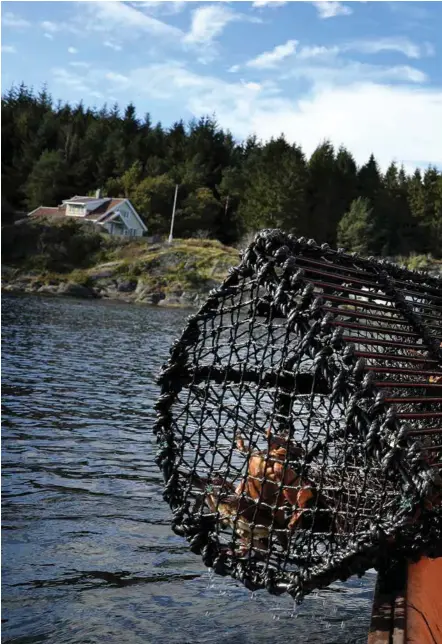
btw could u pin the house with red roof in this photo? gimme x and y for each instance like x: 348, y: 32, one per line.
x: 116, y: 216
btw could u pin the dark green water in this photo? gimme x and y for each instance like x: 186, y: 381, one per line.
x: 88, y: 555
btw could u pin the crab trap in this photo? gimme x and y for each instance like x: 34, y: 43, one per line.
x: 300, y: 418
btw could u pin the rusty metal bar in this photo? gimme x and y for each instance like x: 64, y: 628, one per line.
x: 343, y: 278
x: 426, y: 432
x: 419, y: 415
x: 365, y: 273
x: 370, y: 305
x: 339, y: 287
x: 417, y: 400
x: 359, y: 303
x: 411, y: 372
x: 406, y: 385
x: 356, y: 271
x: 375, y: 295
x: 357, y: 340
x: 399, y: 358
x: 367, y: 316
x: 376, y: 329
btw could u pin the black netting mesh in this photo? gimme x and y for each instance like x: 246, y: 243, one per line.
x: 300, y: 414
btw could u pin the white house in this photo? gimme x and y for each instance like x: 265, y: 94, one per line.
x: 117, y: 216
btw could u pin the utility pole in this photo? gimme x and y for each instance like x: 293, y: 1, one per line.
x: 227, y: 206
x: 173, y: 215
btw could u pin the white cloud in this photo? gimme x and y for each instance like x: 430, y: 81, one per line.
x: 369, y: 46
x: 49, y: 26
x: 70, y: 80
x: 401, y: 45
x: 8, y: 49
x: 271, y: 58
x: 72, y: 50
x: 366, y: 116
x: 344, y: 72
x: 9, y: 19
x: 259, y: 4
x: 208, y: 21
x: 124, y: 19
x: 317, y: 52
x: 332, y: 8
x: 80, y: 64
x: 117, y: 78
x: 234, y: 69
x: 162, y: 6
x: 112, y: 45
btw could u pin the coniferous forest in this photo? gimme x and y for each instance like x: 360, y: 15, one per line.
x: 227, y: 189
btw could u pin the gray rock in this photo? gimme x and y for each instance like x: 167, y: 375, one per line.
x: 158, y: 297
x: 76, y: 290
x: 101, y: 274
x: 7, y: 271
x: 48, y: 288
x: 141, y: 287
x: 127, y: 286
x: 170, y: 301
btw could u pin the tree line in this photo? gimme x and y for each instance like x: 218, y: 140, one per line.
x: 53, y: 150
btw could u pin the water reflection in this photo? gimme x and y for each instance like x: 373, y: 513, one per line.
x: 88, y: 555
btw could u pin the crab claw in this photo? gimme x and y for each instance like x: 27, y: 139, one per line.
x: 303, y: 497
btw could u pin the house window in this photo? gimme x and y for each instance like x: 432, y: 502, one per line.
x: 75, y: 209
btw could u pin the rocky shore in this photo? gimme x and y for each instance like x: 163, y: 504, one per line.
x: 178, y: 276
x: 71, y: 260
x: 112, y: 288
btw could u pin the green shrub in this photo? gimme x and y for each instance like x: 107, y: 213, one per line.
x: 57, y: 247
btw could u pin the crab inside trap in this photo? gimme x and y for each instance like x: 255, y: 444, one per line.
x: 299, y: 422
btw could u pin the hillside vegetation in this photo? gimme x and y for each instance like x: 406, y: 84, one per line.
x: 69, y: 258
x: 227, y: 189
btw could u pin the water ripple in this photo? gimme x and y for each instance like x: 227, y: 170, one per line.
x: 88, y: 554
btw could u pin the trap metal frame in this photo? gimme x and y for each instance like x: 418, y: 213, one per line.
x: 299, y: 422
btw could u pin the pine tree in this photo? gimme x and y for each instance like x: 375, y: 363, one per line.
x: 322, y: 195
x: 52, y: 150
x: 355, y: 229
x: 275, y: 180
x: 46, y: 183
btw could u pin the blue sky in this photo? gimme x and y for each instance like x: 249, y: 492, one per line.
x: 364, y: 74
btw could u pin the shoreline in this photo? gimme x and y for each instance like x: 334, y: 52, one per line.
x: 77, y: 291
x: 176, y: 275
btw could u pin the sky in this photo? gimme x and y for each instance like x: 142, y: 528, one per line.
x: 367, y: 75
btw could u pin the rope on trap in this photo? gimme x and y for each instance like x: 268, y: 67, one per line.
x: 299, y: 422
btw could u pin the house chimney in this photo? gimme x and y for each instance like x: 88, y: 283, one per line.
x: 98, y: 194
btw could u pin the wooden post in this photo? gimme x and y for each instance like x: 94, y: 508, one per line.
x: 388, y: 614
x: 173, y: 214
x: 407, y: 604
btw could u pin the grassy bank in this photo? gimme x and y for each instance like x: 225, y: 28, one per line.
x: 46, y: 257
x: 73, y: 258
